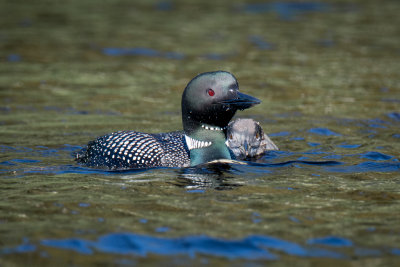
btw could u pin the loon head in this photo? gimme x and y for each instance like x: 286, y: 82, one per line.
x: 212, y: 99
x: 246, y: 139
x: 209, y: 102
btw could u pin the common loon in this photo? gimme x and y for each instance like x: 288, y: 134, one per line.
x: 209, y: 102
x: 246, y: 139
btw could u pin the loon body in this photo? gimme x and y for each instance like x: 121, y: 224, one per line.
x: 246, y: 139
x: 209, y: 102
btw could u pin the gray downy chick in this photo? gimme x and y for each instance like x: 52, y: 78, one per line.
x: 246, y: 139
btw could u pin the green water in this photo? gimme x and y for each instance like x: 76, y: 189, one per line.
x: 336, y: 68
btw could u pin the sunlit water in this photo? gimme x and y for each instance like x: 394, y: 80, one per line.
x: 327, y: 73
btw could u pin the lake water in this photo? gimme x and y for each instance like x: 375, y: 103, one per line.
x: 326, y: 71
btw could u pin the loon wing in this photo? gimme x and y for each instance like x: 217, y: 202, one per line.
x: 135, y: 150
x: 122, y: 150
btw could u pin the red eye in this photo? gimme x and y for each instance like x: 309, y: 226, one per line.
x: 210, y: 92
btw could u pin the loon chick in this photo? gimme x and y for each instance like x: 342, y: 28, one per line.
x: 246, y: 139
x: 209, y: 102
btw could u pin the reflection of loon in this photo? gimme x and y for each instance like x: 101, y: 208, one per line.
x: 246, y: 139
x: 209, y: 102
x: 217, y: 176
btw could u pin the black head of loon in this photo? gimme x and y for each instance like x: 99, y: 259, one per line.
x: 212, y: 98
x: 209, y: 102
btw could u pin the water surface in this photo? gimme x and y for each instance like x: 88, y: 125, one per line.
x: 326, y: 71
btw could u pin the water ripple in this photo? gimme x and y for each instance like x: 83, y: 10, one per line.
x: 323, y: 131
x: 140, y: 51
x: 253, y: 247
x: 285, y: 10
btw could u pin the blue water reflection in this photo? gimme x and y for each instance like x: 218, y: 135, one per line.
x: 375, y: 156
x: 286, y: 10
x: 331, y: 241
x: 260, y: 43
x: 13, y: 58
x: 140, y: 51
x: 323, y: 131
x: 253, y: 247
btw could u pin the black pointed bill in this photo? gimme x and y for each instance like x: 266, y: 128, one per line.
x: 242, y: 101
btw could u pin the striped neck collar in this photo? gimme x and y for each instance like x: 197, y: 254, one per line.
x: 193, y: 143
x: 215, y: 128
